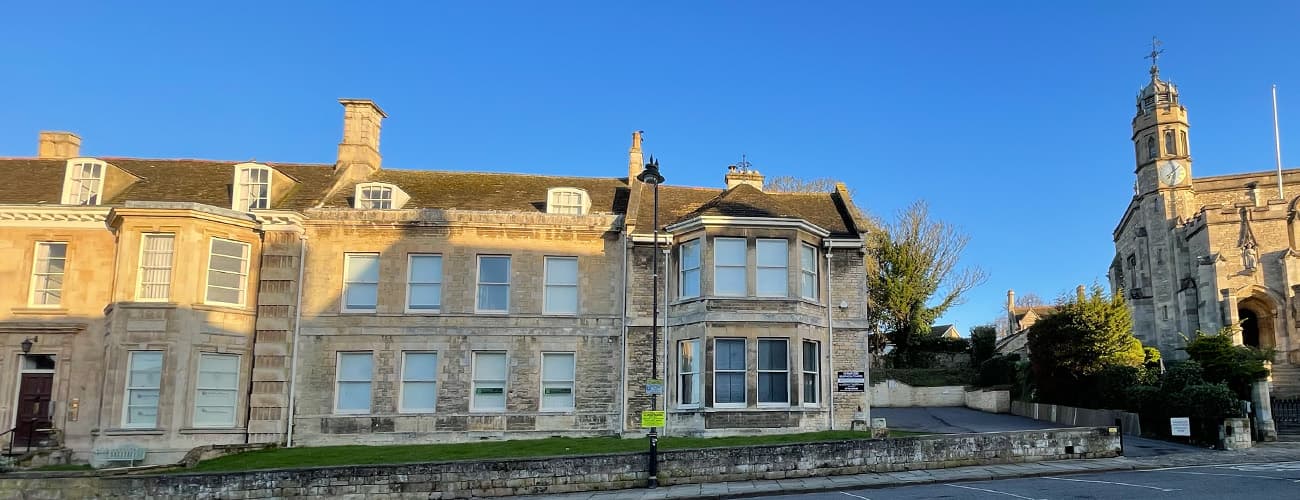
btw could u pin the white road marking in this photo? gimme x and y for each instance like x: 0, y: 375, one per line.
x: 1112, y: 482
x: 1233, y: 475
x: 854, y: 496
x: 1213, y: 465
x: 991, y: 491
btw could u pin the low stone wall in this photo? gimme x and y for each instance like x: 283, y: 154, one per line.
x: 1069, y: 415
x: 988, y: 400
x: 569, y: 474
x: 895, y: 394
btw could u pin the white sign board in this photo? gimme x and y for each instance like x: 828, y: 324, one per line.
x: 1181, y: 426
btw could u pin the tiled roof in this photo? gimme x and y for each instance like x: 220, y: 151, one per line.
x: 492, y: 191
x: 676, y: 204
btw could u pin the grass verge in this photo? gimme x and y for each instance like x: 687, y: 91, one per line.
x: 371, y: 455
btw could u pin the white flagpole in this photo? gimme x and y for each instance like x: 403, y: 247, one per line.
x: 1277, y: 145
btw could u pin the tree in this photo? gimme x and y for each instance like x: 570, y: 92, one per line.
x: 1078, y: 341
x: 913, y: 276
x: 1029, y: 299
x: 1224, y: 362
x: 983, y: 343
x: 792, y: 184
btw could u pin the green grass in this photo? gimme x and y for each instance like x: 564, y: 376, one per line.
x: 369, y: 455
x: 63, y: 467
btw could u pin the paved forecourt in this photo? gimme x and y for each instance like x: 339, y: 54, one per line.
x: 1246, y: 481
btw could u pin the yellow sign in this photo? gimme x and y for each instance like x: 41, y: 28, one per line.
x: 652, y: 418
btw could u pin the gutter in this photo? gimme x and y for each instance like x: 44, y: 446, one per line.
x: 830, y: 344
x: 297, y: 327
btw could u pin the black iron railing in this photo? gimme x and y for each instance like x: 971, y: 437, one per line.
x: 1286, y: 414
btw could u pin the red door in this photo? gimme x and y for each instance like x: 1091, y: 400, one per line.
x: 33, y: 408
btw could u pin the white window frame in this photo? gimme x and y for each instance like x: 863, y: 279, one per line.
x: 785, y: 374
x: 128, y: 389
x: 411, y: 283
x: 547, y: 286
x: 339, y: 381
x: 374, y: 197
x: 478, y: 283
x: 347, y: 271
x: 808, y: 268
x: 744, y: 266
x: 696, y: 376
x: 141, y: 270
x: 569, y: 383
x: 814, y: 373
x: 73, y: 182
x: 243, y: 273
x: 744, y: 373
x: 243, y: 186
x: 475, y: 381
x: 233, y: 391
x: 771, y: 244
x: 582, y: 207
x: 693, y: 246
x: 401, y: 386
x: 38, y: 273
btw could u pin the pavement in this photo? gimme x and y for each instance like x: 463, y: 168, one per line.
x: 1276, y: 466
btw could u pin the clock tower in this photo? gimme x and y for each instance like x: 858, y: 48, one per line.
x: 1160, y: 146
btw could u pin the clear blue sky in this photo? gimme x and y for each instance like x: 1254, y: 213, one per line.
x: 1011, y: 119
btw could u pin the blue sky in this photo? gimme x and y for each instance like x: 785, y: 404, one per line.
x: 1010, y: 118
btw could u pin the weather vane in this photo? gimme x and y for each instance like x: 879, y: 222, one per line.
x: 1155, y: 55
x: 744, y: 164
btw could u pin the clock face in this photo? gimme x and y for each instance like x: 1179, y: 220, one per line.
x: 1172, y: 172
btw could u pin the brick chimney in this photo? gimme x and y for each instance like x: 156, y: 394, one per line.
x: 55, y: 145
x: 360, y: 145
x: 737, y: 175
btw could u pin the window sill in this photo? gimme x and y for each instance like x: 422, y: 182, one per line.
x: 561, y: 411
x: 148, y: 304
x: 37, y: 310
x: 357, y: 311
x: 423, y: 312
x: 135, y: 432
x: 211, y: 430
x: 203, y: 306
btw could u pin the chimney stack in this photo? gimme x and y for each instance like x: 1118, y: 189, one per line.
x: 635, y: 162
x: 737, y: 175
x: 55, y: 145
x: 360, y: 145
x: 1082, y: 292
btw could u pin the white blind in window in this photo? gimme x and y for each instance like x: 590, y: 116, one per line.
x: 156, y: 266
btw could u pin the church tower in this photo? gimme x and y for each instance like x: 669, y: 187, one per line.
x: 1162, y: 155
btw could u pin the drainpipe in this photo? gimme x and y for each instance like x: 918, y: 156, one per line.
x: 622, y: 387
x: 667, y: 355
x: 830, y: 344
x: 297, y: 326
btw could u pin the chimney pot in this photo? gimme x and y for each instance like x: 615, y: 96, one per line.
x: 57, y: 145
x: 737, y: 176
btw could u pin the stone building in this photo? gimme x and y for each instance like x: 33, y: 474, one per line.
x: 168, y: 304
x: 1201, y: 253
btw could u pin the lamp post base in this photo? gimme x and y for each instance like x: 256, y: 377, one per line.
x: 653, y: 481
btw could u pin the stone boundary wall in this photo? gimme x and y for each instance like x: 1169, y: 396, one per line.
x: 1069, y: 415
x: 569, y: 474
x: 896, y: 394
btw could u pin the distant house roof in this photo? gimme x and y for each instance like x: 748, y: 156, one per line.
x: 945, y: 331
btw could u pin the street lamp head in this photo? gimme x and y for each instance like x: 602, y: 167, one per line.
x: 651, y: 173
x: 27, y: 345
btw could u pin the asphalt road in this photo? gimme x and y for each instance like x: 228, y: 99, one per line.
x: 1278, y: 480
x: 951, y: 420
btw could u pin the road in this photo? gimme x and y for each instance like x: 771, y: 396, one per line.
x: 1277, y: 480
x: 950, y: 420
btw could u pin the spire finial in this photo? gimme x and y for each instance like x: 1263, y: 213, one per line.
x: 1154, y: 56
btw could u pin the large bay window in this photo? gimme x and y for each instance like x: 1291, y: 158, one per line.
x: 688, y: 277
x: 216, y: 390
x: 557, y: 381
x: 689, y: 384
x: 773, y: 264
x: 143, y: 382
x: 730, y: 277
x: 561, y: 293
x: 773, y: 372
x: 729, y: 373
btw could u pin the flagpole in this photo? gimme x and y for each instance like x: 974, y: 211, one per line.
x: 1277, y: 145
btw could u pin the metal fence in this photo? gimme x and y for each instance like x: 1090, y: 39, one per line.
x: 1286, y: 414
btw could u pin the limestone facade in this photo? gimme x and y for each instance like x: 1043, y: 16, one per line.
x: 1201, y: 253
x: 170, y: 304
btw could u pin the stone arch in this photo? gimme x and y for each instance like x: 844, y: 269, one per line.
x: 1260, y: 318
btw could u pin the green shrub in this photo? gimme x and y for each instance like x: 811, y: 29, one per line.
x: 1224, y: 362
x: 1180, y: 375
x: 923, y: 377
x: 983, y: 344
x: 997, y: 370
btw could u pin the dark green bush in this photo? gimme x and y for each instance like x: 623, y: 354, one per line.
x: 997, y: 370
x: 1224, y: 362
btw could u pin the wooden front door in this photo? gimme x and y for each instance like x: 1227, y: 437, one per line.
x: 33, y: 408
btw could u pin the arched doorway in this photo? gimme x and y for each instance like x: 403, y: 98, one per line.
x: 1258, y: 322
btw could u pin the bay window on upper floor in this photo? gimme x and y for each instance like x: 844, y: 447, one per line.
x: 730, y: 277
x: 688, y: 273
x: 773, y: 268
x: 748, y: 267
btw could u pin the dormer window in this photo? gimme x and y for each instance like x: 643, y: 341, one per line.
x: 379, y: 196
x: 252, y: 187
x: 565, y: 200
x: 83, y: 182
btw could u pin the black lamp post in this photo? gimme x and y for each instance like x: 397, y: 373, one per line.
x: 652, y: 176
